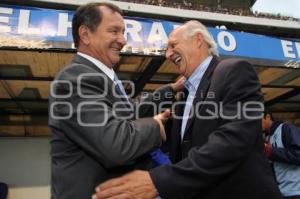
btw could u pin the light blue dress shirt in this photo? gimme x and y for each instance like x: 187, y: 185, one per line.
x: 192, y: 84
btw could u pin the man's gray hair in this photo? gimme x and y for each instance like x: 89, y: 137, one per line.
x: 193, y: 27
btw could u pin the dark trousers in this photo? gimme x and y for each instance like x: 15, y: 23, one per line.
x: 292, y: 197
x: 3, y: 190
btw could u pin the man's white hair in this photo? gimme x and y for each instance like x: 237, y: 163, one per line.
x: 193, y: 27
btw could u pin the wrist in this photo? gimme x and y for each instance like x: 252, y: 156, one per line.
x: 173, y: 86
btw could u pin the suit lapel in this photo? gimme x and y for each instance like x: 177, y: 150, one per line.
x: 176, y: 129
x: 81, y: 60
x: 202, y: 90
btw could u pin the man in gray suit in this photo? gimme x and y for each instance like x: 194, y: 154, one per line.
x: 96, y: 133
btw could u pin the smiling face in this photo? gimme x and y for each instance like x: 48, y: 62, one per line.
x: 185, y: 52
x: 106, y: 42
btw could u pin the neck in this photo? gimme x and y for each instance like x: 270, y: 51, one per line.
x: 202, y: 58
x: 87, y: 51
x: 84, y: 49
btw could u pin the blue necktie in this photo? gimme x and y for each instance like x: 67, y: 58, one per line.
x: 120, y: 86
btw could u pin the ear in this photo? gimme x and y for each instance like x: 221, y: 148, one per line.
x: 199, y: 39
x: 84, y: 34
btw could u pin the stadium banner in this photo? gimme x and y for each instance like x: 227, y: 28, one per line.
x: 39, y: 28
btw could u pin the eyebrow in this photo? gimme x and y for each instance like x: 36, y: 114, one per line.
x: 172, y: 42
x: 114, y: 27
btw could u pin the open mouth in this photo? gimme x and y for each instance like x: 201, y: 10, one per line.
x: 116, y: 49
x: 177, y: 59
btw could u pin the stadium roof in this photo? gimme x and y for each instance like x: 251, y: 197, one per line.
x: 25, y: 78
x: 266, y: 26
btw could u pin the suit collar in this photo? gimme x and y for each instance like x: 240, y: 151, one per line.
x: 82, y: 60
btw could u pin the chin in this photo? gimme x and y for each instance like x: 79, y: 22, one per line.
x: 117, y: 56
x: 181, y: 70
x: 115, y: 59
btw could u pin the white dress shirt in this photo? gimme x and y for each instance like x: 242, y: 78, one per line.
x: 108, y: 71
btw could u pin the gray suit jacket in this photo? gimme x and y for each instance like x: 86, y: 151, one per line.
x: 84, y: 152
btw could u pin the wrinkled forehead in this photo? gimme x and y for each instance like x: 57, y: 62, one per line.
x: 176, y: 32
x: 176, y: 35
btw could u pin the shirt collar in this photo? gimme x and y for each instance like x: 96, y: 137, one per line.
x: 193, y: 81
x: 108, y: 71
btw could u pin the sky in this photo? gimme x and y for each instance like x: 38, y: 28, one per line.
x: 284, y: 7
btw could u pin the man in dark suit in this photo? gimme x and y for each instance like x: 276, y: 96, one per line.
x: 96, y: 133
x: 216, y: 144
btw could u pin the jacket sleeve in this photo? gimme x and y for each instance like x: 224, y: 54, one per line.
x: 94, y: 127
x: 226, y: 147
x: 154, y: 103
x: 291, y: 140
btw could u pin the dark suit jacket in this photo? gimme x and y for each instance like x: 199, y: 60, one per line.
x: 84, y: 156
x: 219, y: 157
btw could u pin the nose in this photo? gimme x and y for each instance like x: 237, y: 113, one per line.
x: 169, y: 53
x: 122, y: 40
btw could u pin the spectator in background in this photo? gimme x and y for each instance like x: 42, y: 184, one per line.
x: 187, y: 4
x: 283, y: 149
